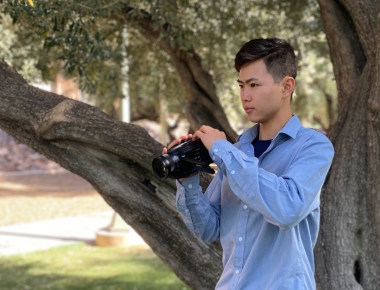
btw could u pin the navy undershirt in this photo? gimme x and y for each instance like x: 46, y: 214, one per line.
x: 260, y: 146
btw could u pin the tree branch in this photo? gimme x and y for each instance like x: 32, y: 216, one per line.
x: 115, y: 158
x: 346, y: 52
x: 365, y: 23
x: 197, y: 82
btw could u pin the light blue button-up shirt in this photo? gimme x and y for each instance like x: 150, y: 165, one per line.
x: 265, y: 210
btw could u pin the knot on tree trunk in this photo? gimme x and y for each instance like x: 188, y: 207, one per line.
x: 52, y: 118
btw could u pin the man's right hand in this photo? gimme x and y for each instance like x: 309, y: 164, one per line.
x: 176, y: 142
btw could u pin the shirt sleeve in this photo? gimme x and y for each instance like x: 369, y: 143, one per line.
x: 200, y: 213
x: 283, y: 200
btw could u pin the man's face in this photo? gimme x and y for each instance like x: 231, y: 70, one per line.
x: 261, y: 97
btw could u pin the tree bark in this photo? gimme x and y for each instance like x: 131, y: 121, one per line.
x: 347, y: 253
x: 115, y: 158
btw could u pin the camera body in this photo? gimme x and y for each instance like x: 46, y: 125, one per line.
x: 183, y: 160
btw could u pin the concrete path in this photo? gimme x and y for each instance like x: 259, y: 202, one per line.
x: 42, y: 235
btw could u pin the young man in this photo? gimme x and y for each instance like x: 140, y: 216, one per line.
x: 263, y: 204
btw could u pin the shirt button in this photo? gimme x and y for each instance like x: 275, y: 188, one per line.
x: 216, y: 150
x: 186, y: 210
x: 240, y: 239
x: 233, y: 172
x: 213, y: 157
x: 237, y: 272
x: 245, y: 206
x: 190, y: 185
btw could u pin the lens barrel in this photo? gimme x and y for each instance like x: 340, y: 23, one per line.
x: 164, y: 165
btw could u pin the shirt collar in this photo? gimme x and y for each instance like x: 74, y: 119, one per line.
x: 291, y: 129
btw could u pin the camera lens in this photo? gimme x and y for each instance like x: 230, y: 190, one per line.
x: 159, y: 167
x: 164, y: 165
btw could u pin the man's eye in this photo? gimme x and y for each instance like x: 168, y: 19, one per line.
x: 253, y: 85
x: 241, y: 86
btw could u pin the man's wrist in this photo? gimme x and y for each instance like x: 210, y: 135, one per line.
x: 180, y: 180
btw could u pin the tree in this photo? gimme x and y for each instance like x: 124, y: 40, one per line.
x: 116, y: 157
x: 348, y: 251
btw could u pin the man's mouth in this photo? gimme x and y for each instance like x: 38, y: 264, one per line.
x: 248, y: 109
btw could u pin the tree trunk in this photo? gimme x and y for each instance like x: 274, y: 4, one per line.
x: 115, y: 158
x: 348, y: 251
x: 203, y: 106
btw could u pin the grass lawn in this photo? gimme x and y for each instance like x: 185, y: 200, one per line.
x: 84, y: 267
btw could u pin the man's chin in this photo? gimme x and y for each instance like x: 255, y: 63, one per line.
x: 255, y: 119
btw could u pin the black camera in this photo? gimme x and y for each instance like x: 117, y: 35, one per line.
x: 183, y: 160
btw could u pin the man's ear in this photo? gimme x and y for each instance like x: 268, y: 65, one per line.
x: 288, y: 84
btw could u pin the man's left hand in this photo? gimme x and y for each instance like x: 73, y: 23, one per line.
x: 209, y: 135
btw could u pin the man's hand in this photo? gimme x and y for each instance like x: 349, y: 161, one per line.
x: 209, y: 135
x: 176, y: 142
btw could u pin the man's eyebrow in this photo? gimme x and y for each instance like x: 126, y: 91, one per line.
x: 247, y: 81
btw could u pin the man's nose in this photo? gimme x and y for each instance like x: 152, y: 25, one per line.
x: 244, y: 95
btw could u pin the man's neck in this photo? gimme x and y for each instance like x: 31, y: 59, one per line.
x: 269, y: 130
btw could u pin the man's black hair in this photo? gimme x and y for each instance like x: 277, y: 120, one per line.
x: 278, y: 56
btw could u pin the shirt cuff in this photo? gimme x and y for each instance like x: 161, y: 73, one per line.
x: 190, y: 185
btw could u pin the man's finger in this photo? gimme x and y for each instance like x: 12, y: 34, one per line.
x: 205, y: 128
x: 195, y: 137
x: 198, y: 135
x: 179, y: 140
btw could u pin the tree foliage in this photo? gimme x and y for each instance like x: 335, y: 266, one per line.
x: 87, y: 37
x: 15, y: 52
